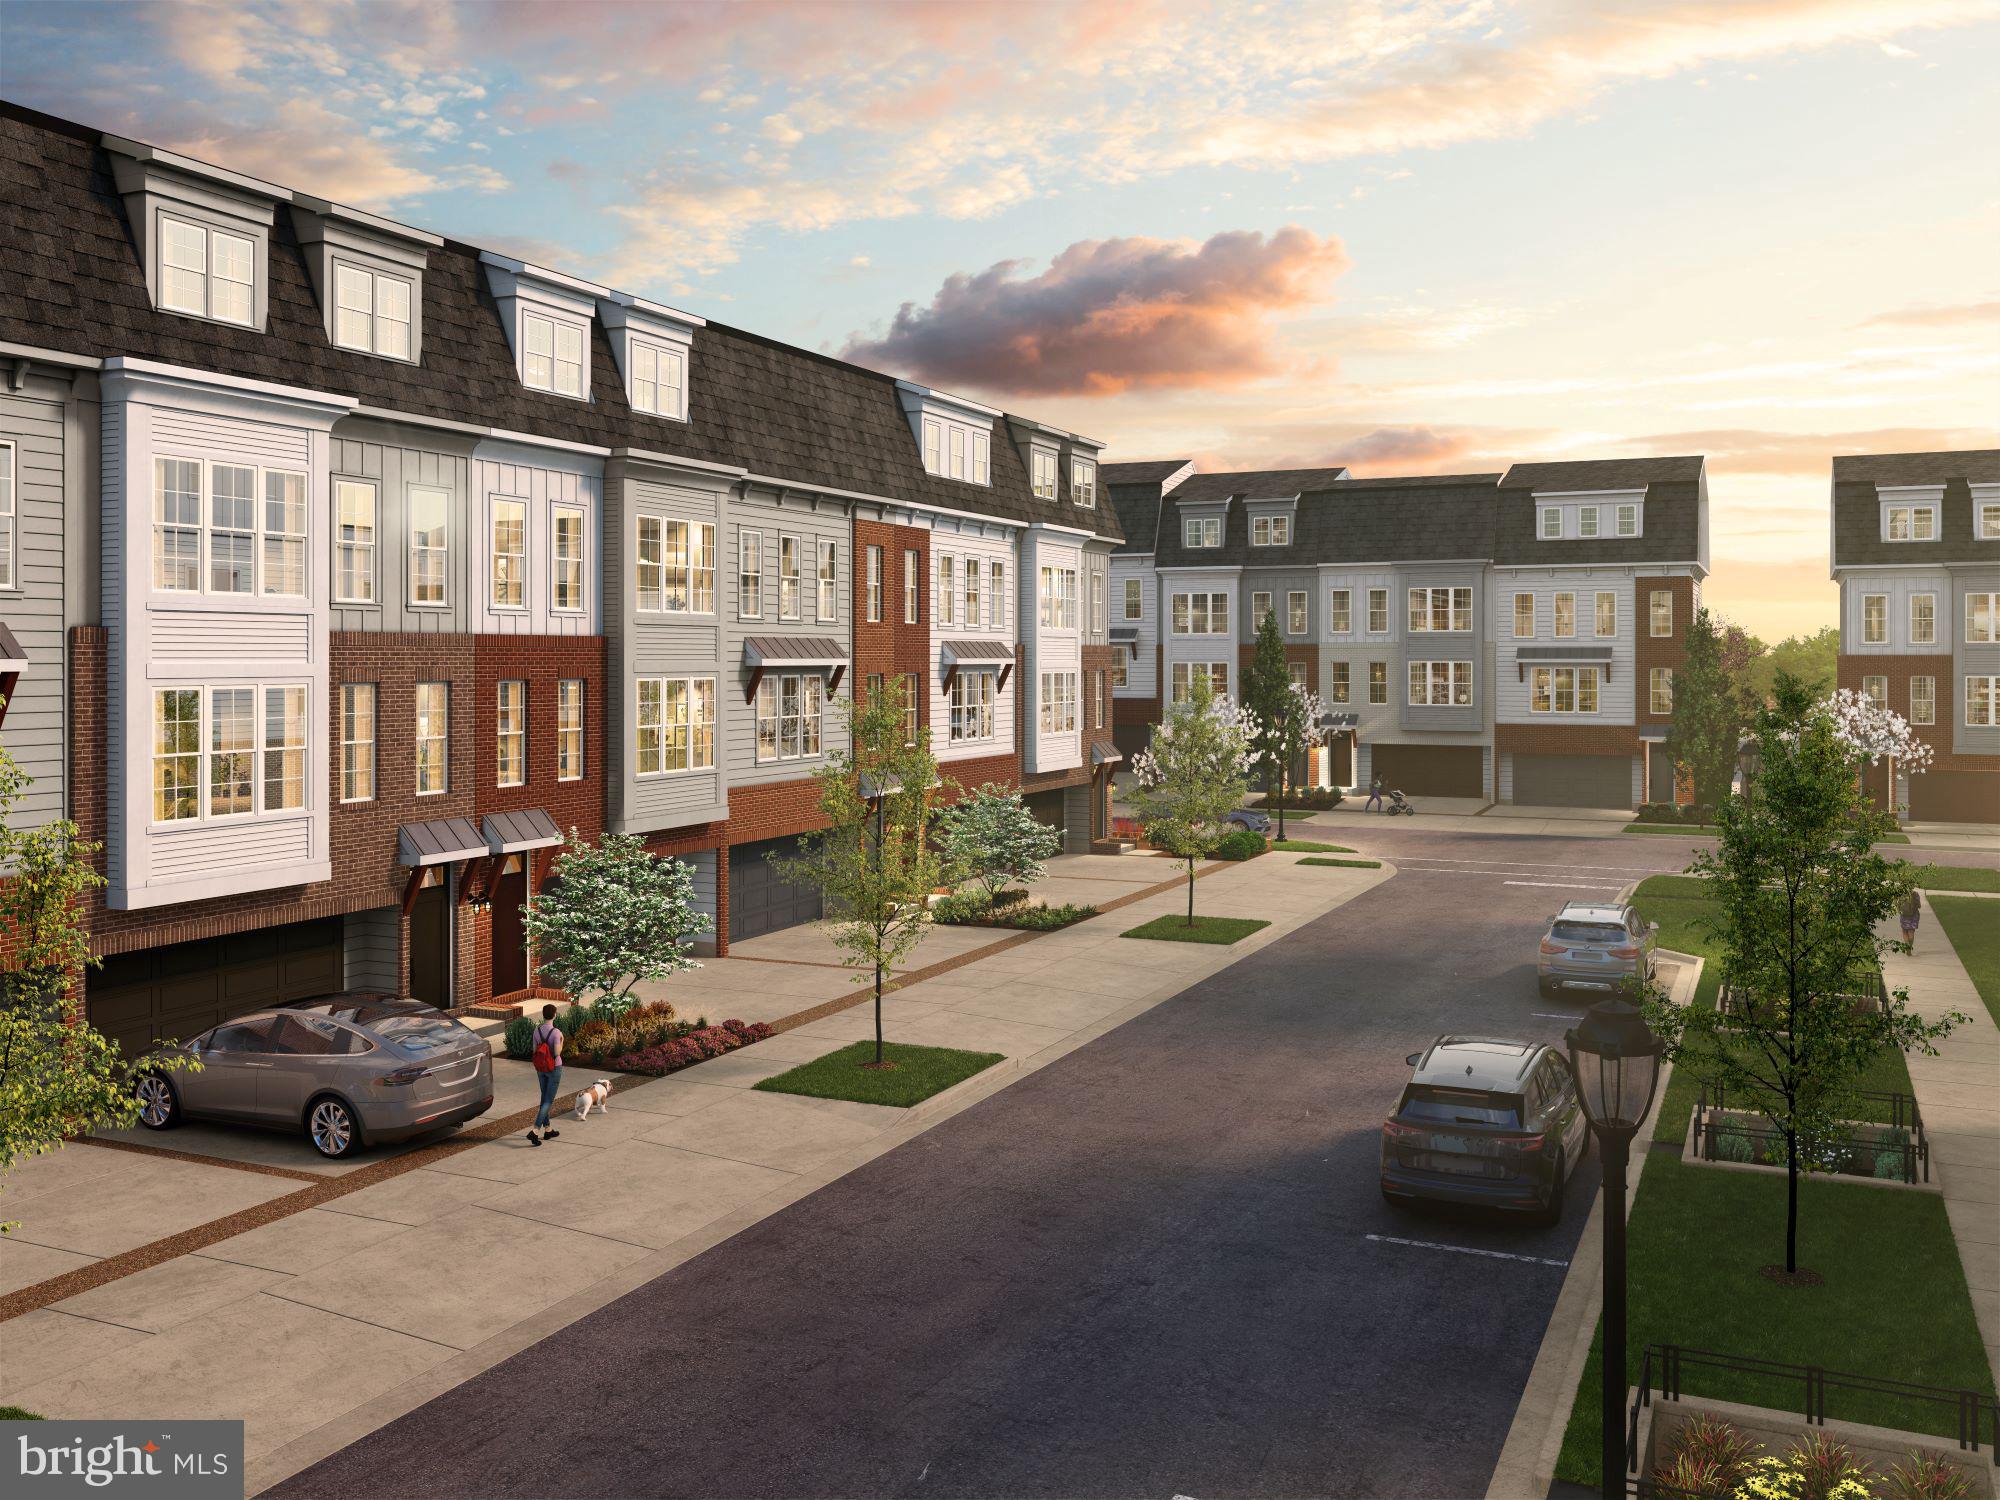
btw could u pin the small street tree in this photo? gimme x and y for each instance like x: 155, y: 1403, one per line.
x: 612, y: 916
x: 875, y: 863
x: 1710, y: 712
x: 1797, y: 895
x: 1266, y: 686
x: 1878, y: 733
x: 59, y: 1075
x: 993, y: 837
x: 1193, y: 775
x: 1299, y: 730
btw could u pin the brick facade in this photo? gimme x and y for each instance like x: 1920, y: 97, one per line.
x: 891, y: 647
x: 1651, y: 650
x: 1899, y: 670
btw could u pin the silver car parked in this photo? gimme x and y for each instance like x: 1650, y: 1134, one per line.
x: 350, y: 1070
x: 1596, y: 945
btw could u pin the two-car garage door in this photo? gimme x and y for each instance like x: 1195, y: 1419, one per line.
x: 1572, y: 780
x: 179, y: 991
x: 760, y: 898
x: 1428, y: 770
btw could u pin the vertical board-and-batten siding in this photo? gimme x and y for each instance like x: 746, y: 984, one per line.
x: 364, y: 450
x: 544, y: 480
x: 959, y: 540
x: 1513, y: 692
x: 32, y: 422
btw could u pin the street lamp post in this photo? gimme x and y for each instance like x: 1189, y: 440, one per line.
x: 1616, y: 1060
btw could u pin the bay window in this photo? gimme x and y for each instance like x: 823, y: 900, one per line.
x: 674, y: 728
x: 1441, y: 684
x: 229, y: 752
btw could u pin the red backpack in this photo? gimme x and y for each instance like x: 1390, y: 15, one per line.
x: 545, y: 1058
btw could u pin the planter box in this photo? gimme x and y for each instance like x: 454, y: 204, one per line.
x: 1777, y: 1430
x: 1865, y: 1134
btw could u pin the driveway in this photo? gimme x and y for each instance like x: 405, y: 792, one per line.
x: 1159, y: 1265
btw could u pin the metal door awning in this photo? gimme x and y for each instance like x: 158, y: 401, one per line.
x: 1128, y: 637
x: 517, y: 832
x: 1104, y: 753
x: 764, y: 653
x: 1545, y: 656
x: 439, y: 842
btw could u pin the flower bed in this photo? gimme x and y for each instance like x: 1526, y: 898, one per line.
x: 1861, y: 1148
x: 1302, y: 799
x: 971, y: 909
x: 647, y: 1038
x: 1715, y: 1450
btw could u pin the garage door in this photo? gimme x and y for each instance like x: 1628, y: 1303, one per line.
x: 1955, y: 797
x: 1428, y: 770
x: 179, y: 991
x: 760, y: 899
x: 1047, y: 808
x: 1573, y: 780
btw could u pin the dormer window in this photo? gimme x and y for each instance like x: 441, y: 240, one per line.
x: 654, y: 347
x: 1586, y: 520
x: 1986, y: 519
x: 1083, y: 482
x: 1628, y: 520
x: 659, y: 380
x: 370, y: 276
x: 1203, y: 531
x: 547, y: 316
x: 1552, y: 523
x: 203, y: 233
x: 1588, y: 515
x: 1910, y: 523
x: 371, y: 312
x: 207, y: 272
x: 552, y: 358
x: 1042, y: 473
x: 954, y: 436
x: 1271, y: 531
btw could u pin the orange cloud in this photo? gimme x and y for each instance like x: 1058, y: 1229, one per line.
x: 1113, y: 315
x: 1951, y: 316
x: 1747, y: 451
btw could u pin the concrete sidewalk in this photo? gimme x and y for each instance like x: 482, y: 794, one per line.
x: 1958, y: 1094
x: 322, y: 1325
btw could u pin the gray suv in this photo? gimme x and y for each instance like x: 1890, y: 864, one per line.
x: 1595, y: 945
x: 349, y: 1070
x: 1487, y: 1121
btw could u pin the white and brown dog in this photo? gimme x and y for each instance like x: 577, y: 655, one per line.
x: 597, y: 1096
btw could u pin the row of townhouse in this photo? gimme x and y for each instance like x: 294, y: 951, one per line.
x: 344, y: 569
x: 1915, y: 550
x: 1511, y: 637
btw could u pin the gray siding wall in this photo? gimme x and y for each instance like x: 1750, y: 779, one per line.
x: 1898, y: 589
x: 544, y: 480
x: 396, y: 460
x: 1142, y: 668
x: 371, y: 945
x: 1449, y: 645
x: 1967, y: 658
x: 32, y: 422
x: 1513, y: 688
x: 772, y: 518
x: 1280, y: 583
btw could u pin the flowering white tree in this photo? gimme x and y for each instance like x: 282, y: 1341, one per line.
x: 613, y: 915
x: 992, y: 836
x: 1193, y: 775
x: 1877, y: 733
x: 1299, y: 730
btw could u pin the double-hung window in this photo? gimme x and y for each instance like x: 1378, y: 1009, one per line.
x: 8, y: 540
x: 569, y: 729
x: 933, y: 447
x: 371, y: 311
x: 510, y: 735
x: 433, y: 731
x: 659, y: 380
x: 912, y: 585
x: 1910, y: 523
x: 1135, y: 598
x: 1586, y: 520
x: 1923, y: 700
x: 1083, y: 482
x: 1441, y: 609
x: 973, y: 575
x: 207, y: 272
x: 1551, y: 523
x: 873, y: 593
x: 357, y: 742
x: 1628, y: 520
x: 674, y: 728
x: 284, y: 532
x: 1058, y: 707
x: 956, y: 437
x: 974, y: 695
x: 788, y: 716
x: 1120, y: 667
x: 1982, y: 702
x: 1875, y: 688
x: 1339, y: 682
x: 228, y: 752
x: 1875, y: 619
x: 1378, y: 611
x: 1042, y: 475
x: 947, y: 589
x: 1565, y: 615
x: 552, y: 355
x: 1340, y: 611
x: 674, y: 563
x: 788, y: 578
x: 1058, y: 598
x: 1565, y: 690
x: 1661, y: 612
x: 1441, y: 684
x: 1982, y: 619
x: 750, y: 575
x: 255, y: 524
x: 566, y: 575
x: 510, y: 554
x: 429, y: 543
x: 829, y: 581
x: 1098, y: 622
x: 1378, y: 682
x: 1988, y: 528
x: 1524, y: 617
x: 1295, y: 612
x: 1923, y: 619
x: 996, y: 578
x: 1607, y: 612
x: 1200, y: 614
x: 1202, y: 531
x: 1260, y: 609
x: 1660, y: 691
x: 232, y: 528
x: 1271, y: 531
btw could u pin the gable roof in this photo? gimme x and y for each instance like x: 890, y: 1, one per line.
x: 1975, y: 465
x: 75, y: 285
x: 1857, y: 507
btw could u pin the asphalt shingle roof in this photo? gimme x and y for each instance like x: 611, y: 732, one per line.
x: 74, y: 284
x: 1604, y: 473
x: 1857, y: 507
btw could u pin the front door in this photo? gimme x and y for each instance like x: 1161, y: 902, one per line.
x: 430, y: 942
x: 510, y: 938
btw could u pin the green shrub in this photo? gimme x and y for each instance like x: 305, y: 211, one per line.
x: 1312, y: 798
x: 20, y: 1414
x: 965, y: 908
x: 1239, y: 844
x: 1889, y: 1166
x: 520, y: 1035
x: 1732, y: 1143
x: 1047, y: 918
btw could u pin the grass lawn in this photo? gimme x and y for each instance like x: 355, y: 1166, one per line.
x: 1975, y: 933
x: 1957, y: 878
x: 1307, y: 846
x: 1694, y: 830
x: 1175, y: 929
x: 919, y: 1073
x: 1345, y: 864
x: 1894, y: 1303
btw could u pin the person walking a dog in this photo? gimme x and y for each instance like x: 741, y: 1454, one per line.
x: 546, y: 1049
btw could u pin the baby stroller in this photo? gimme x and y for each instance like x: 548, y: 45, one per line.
x: 1398, y: 803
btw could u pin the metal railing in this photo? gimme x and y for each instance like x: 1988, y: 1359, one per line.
x: 1847, y: 1156
x: 1872, y: 993
x: 1666, y: 1363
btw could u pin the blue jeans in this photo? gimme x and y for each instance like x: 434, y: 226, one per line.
x: 550, y: 1081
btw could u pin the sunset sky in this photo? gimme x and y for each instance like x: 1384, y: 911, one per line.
x: 1408, y: 237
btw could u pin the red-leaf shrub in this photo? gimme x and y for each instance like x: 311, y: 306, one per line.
x: 697, y: 1045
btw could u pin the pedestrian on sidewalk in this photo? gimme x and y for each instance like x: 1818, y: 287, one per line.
x: 546, y: 1050
x: 1912, y: 914
x: 1374, y: 802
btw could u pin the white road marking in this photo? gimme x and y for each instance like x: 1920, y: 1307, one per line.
x: 1555, y: 1015
x: 1533, y: 1260
x: 1563, y: 885
x: 1531, y: 864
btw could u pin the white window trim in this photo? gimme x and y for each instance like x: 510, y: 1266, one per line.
x: 798, y: 576
x: 1451, y: 614
x: 1454, y: 668
x: 412, y: 551
x: 1543, y: 530
x: 1911, y: 510
x: 1185, y: 671
x: 1653, y: 631
x: 1929, y: 716
x: 558, y: 321
x: 580, y: 731
x: 205, y: 528
x: 1133, y: 602
x: 1537, y: 674
x: 1083, y: 483
x: 1343, y: 609
x: 1534, y: 615
x: 775, y: 684
x: 871, y: 588
x: 1298, y: 607
x: 663, y: 352
x: 494, y: 554
x: 1989, y: 694
x: 1866, y: 638
x: 1973, y: 637
x: 501, y: 734
x: 693, y: 697
x: 1657, y: 678
x: 1875, y: 688
x: 974, y: 697
x: 208, y: 232
x: 412, y: 289
x: 1387, y: 627
x: 749, y: 586
x: 373, y: 545
x: 10, y: 519
x: 1931, y: 638
x: 416, y: 760
x: 556, y: 515
x: 1596, y: 614
x: 1555, y: 615
x: 1195, y: 531
x: 374, y: 738
x: 1209, y: 613
x: 913, y: 585
x: 826, y: 588
x: 205, y: 753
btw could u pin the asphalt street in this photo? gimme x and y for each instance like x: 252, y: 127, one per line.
x: 1160, y: 1266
